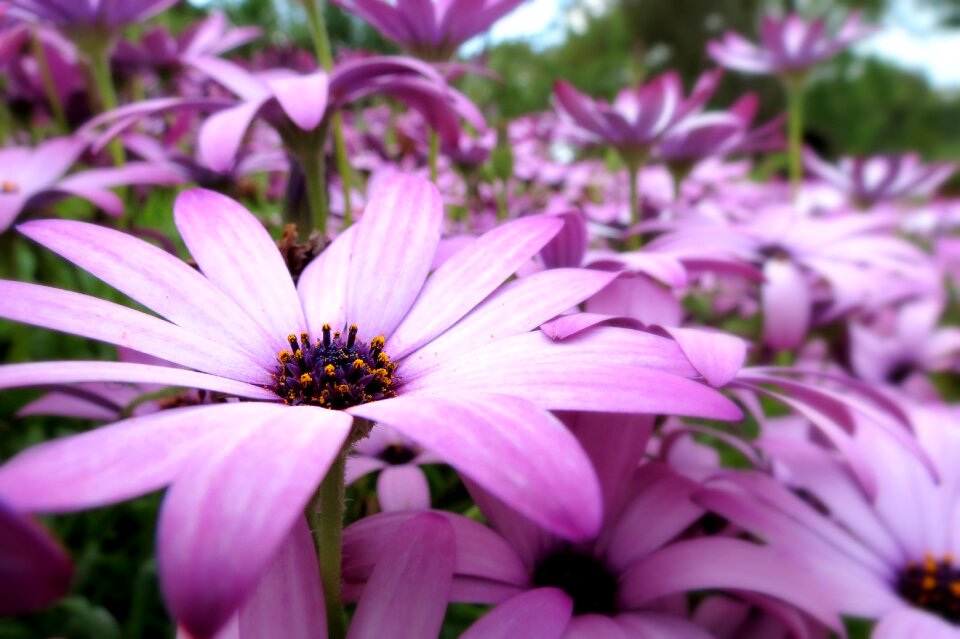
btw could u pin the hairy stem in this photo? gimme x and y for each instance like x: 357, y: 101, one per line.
x: 325, y: 515
x: 795, y: 134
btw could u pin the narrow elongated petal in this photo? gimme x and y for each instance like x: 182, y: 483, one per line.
x: 725, y: 563
x: 908, y: 622
x: 116, y: 462
x: 616, y: 370
x: 96, y: 319
x: 222, y: 134
x: 491, y: 438
x: 236, y: 253
x: 786, y: 305
x: 543, y: 613
x: 468, y: 277
x: 288, y: 601
x: 481, y: 553
x: 233, y: 504
x: 717, y: 356
x: 410, y: 584
x: 515, y: 308
x: 51, y: 373
x: 394, y: 246
x: 323, y: 284
x: 154, y: 278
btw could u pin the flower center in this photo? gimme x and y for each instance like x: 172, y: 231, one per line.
x: 9, y: 187
x: 586, y: 580
x: 334, y: 373
x: 397, y: 454
x: 932, y: 585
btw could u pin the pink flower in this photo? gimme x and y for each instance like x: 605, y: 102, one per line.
x: 787, y: 47
x: 365, y: 332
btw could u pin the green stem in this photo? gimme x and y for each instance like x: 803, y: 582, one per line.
x: 434, y: 154
x: 325, y: 516
x: 49, y: 86
x: 633, y: 172
x: 99, y: 54
x: 312, y: 163
x: 502, y: 202
x: 795, y: 133
x: 321, y: 46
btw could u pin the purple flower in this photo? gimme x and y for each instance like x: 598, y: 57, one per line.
x: 788, y: 47
x: 639, y: 116
x: 619, y: 581
x: 430, y: 29
x: 881, y: 178
x: 365, y: 332
x: 34, y: 178
x: 401, y: 484
x: 103, y: 17
x: 34, y: 571
x: 889, y: 556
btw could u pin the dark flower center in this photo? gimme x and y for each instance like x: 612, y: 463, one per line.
x: 586, y: 580
x: 932, y: 585
x: 899, y: 373
x: 397, y: 454
x: 334, y: 373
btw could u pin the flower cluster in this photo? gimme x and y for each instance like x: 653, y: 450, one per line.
x: 401, y: 372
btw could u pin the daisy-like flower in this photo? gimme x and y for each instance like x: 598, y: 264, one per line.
x: 869, y: 180
x: 430, y: 29
x: 787, y: 47
x: 101, y: 17
x: 31, y: 178
x: 623, y: 582
x: 401, y: 485
x: 890, y: 557
x: 452, y: 361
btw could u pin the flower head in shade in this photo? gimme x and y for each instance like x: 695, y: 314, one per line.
x: 102, y: 17
x: 298, y: 105
x: 617, y: 583
x: 891, y: 556
x: 34, y: 571
x: 867, y: 181
x: 788, y: 47
x: 31, y: 178
x: 401, y: 485
x: 639, y: 116
x: 452, y: 361
x: 430, y: 29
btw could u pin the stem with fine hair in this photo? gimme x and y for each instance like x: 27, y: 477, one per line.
x: 325, y: 516
x: 795, y: 133
x: 321, y: 46
x: 313, y: 164
x: 434, y: 154
x: 49, y: 86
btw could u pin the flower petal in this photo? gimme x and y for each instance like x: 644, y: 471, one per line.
x: 48, y: 373
x: 469, y: 277
x: 96, y: 319
x: 156, y: 279
x: 394, y: 247
x: 719, y: 563
x: 288, y: 601
x: 116, y: 462
x: 323, y: 284
x: 616, y: 370
x: 543, y: 613
x: 236, y: 253
x: 410, y: 584
x: 222, y: 134
x: 489, y: 438
x: 517, y: 307
x: 302, y: 98
x: 403, y: 488
x: 786, y: 305
x: 233, y: 504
